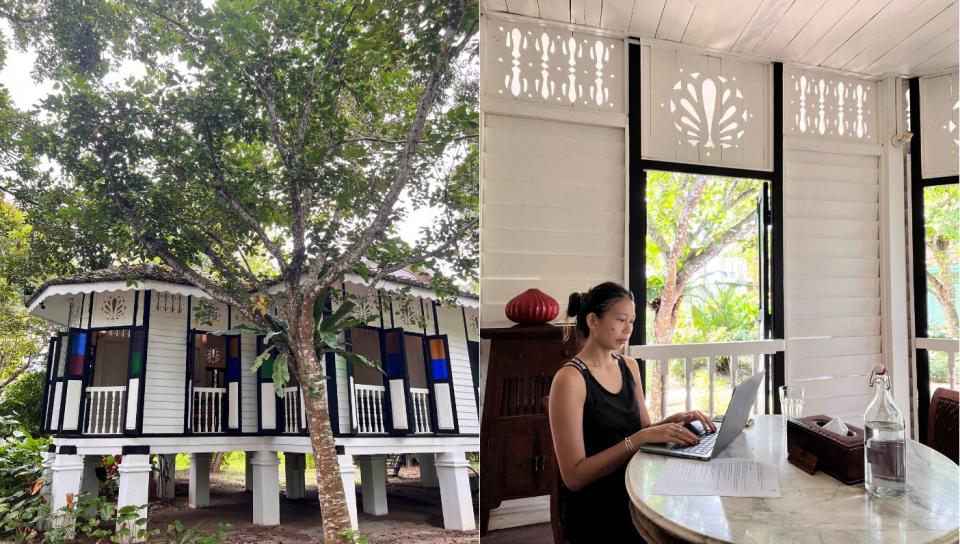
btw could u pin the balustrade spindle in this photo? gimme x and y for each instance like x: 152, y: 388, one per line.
x: 688, y: 371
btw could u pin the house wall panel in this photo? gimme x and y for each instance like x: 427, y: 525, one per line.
x: 450, y: 320
x: 832, y: 276
x: 163, y: 407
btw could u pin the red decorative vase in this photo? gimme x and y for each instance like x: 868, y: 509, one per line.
x: 531, y: 307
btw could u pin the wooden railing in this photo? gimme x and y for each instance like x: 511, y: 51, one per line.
x: 949, y: 346
x: 368, y: 400
x: 662, y: 354
x: 421, y: 410
x: 291, y: 407
x: 105, y: 409
x: 208, y: 409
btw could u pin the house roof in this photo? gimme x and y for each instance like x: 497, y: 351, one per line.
x: 157, y: 272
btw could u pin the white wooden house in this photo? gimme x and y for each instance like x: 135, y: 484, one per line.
x: 580, y: 98
x: 137, y: 371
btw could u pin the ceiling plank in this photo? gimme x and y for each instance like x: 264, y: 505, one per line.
x: 646, y: 17
x: 616, y: 14
x: 586, y: 12
x: 852, y: 21
x: 916, y: 23
x: 763, y: 22
x: 524, y: 7
x: 555, y: 10
x: 895, y: 14
x: 676, y: 15
x: 945, y: 60
x: 703, y: 20
x: 921, y: 45
x: 792, y: 23
x: 495, y: 5
x: 822, y: 21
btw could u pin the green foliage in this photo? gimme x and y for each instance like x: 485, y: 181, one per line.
x: 23, y: 398
x: 940, y: 205
x: 21, y: 500
x: 354, y: 536
x: 179, y: 535
x: 326, y: 339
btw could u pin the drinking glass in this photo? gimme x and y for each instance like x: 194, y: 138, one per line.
x: 791, y: 401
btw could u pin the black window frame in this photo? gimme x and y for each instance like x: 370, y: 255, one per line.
x: 919, y: 254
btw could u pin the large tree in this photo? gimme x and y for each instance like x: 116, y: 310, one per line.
x: 942, y: 253
x: 691, y: 219
x: 283, y: 129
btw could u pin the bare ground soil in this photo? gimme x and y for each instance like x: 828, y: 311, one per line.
x: 415, y: 513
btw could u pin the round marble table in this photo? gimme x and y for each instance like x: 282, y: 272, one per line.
x: 812, y: 508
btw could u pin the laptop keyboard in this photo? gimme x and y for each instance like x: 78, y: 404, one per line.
x: 705, y: 447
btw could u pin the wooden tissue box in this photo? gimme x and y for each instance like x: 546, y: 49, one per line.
x: 812, y: 448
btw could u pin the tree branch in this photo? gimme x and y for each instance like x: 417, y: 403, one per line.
x: 701, y: 256
x: 427, y: 99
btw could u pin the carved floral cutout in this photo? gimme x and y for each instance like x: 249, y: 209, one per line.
x: 114, y: 308
x: 708, y: 111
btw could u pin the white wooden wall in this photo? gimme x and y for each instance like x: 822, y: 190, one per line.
x: 939, y: 120
x: 451, y: 324
x: 166, y: 364
x: 832, y: 245
x: 553, y: 169
x: 248, y: 384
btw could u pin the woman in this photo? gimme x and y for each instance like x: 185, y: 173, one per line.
x: 598, y: 419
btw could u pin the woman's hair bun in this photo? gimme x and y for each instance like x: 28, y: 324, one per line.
x: 574, y: 304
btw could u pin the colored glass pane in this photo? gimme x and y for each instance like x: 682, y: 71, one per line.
x: 438, y: 357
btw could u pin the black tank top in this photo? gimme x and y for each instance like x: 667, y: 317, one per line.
x: 601, y: 509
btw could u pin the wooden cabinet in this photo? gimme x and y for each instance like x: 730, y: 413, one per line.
x: 515, y: 443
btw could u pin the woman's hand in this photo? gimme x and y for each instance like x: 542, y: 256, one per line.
x: 667, y: 432
x: 693, y: 415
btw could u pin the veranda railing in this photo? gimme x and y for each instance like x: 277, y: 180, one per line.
x: 208, y: 409
x: 368, y: 403
x: 105, y: 409
x: 421, y: 410
x: 734, y: 352
x: 948, y: 346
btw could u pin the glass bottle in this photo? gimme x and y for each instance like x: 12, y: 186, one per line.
x: 884, y: 448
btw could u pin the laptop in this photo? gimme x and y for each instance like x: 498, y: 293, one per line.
x: 712, y: 444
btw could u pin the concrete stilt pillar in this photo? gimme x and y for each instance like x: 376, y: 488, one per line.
x: 65, y: 488
x: 373, y: 483
x: 347, y: 473
x: 199, y: 496
x: 294, y: 466
x: 455, y: 497
x: 133, y: 490
x: 428, y: 470
x: 89, y: 483
x: 167, y: 477
x: 266, y: 488
x: 248, y: 471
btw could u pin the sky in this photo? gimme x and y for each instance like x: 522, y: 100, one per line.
x: 26, y: 93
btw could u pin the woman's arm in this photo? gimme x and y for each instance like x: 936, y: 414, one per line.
x: 567, y: 396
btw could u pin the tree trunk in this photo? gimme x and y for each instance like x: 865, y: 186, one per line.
x: 665, y: 322
x: 330, y: 492
x: 217, y: 462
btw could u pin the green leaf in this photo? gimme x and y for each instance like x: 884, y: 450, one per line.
x: 238, y: 330
x: 330, y: 322
x: 328, y: 339
x: 320, y: 305
x: 262, y: 358
x: 281, y: 373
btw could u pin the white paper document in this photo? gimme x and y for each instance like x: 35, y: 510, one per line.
x: 719, y: 477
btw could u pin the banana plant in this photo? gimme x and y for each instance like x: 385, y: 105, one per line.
x: 326, y: 337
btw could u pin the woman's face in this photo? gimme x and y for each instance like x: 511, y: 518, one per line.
x: 613, y: 330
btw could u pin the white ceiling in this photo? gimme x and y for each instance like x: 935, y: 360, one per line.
x: 870, y: 37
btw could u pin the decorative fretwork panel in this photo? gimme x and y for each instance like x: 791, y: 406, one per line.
x: 112, y: 309
x: 408, y: 312
x: 169, y: 303
x: 825, y: 105
x: 698, y: 108
x: 76, y: 310
x: 939, y: 110
x: 553, y: 66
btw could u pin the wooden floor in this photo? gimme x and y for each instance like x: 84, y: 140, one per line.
x: 528, y: 534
